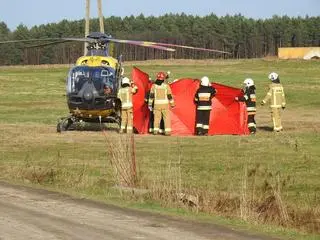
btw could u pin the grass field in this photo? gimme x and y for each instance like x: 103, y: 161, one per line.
x: 269, y: 178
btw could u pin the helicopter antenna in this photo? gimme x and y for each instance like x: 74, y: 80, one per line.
x: 100, y: 16
x: 87, y: 25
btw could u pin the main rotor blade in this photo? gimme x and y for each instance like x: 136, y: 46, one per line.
x: 30, y: 40
x: 189, y: 47
x: 79, y: 39
x: 157, y: 45
x: 50, y: 39
x: 46, y: 44
x: 142, y: 43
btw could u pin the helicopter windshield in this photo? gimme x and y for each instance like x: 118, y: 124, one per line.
x: 99, y: 76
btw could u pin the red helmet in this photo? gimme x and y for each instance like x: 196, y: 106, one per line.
x: 161, y: 76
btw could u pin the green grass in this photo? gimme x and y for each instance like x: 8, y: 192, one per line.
x: 32, y: 99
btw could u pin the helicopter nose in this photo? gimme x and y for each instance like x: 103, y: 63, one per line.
x: 88, y: 95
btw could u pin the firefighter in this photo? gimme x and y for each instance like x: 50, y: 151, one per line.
x: 203, y: 99
x: 159, y: 99
x: 277, y: 97
x: 125, y: 95
x: 249, y: 97
x: 151, y: 115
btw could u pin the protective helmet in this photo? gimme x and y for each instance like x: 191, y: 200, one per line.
x: 161, y: 76
x: 205, y: 81
x: 125, y: 80
x: 273, y: 76
x: 248, y: 82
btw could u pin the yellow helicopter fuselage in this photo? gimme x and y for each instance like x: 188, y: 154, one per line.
x: 91, y: 114
x: 94, y: 62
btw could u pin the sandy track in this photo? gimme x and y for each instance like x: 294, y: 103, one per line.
x: 27, y: 213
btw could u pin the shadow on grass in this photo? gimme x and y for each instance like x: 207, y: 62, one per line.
x: 95, y: 127
x: 265, y: 128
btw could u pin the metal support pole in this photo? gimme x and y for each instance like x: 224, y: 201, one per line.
x: 87, y: 25
x: 100, y: 16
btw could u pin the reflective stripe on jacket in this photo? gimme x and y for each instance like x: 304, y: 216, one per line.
x: 125, y: 95
x: 160, y: 95
x: 249, y: 97
x: 203, y: 97
x: 276, y: 95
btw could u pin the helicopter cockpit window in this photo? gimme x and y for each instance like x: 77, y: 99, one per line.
x: 77, y: 77
x: 103, y: 77
x: 99, y: 76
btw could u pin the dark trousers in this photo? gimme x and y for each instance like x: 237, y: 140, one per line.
x: 151, y: 122
x: 252, y: 123
x: 202, y: 121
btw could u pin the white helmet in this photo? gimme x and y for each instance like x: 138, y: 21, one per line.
x: 273, y: 76
x: 248, y: 82
x: 205, y: 81
x: 125, y: 80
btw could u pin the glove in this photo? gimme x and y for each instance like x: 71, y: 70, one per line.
x: 283, y: 107
x: 236, y: 98
x: 150, y: 108
x: 262, y: 103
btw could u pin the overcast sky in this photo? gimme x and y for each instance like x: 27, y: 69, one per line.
x: 36, y: 12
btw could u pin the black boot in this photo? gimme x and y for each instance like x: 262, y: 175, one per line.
x: 199, y: 131
x: 205, y: 132
x: 252, y: 130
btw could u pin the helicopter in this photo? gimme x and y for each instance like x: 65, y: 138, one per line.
x: 92, y: 83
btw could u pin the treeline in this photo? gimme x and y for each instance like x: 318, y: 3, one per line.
x: 242, y: 37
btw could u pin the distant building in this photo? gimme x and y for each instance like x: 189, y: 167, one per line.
x: 299, y: 53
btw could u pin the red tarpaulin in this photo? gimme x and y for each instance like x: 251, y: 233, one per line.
x: 140, y: 108
x: 227, y: 115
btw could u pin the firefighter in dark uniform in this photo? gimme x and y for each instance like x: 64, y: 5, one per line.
x: 203, y: 100
x: 249, y: 97
x: 151, y: 114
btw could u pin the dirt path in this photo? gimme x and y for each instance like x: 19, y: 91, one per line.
x: 27, y: 213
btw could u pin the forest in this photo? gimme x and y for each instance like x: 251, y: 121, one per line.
x: 242, y: 37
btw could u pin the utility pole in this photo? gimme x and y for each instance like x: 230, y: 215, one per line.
x: 87, y: 21
x: 100, y: 16
x: 87, y: 25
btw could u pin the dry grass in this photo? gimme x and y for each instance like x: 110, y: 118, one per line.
x: 260, y: 199
x: 259, y: 193
x: 121, y: 149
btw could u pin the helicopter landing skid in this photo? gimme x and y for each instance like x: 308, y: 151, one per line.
x: 65, y: 123
x: 111, y: 120
x: 114, y: 119
x: 73, y: 123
